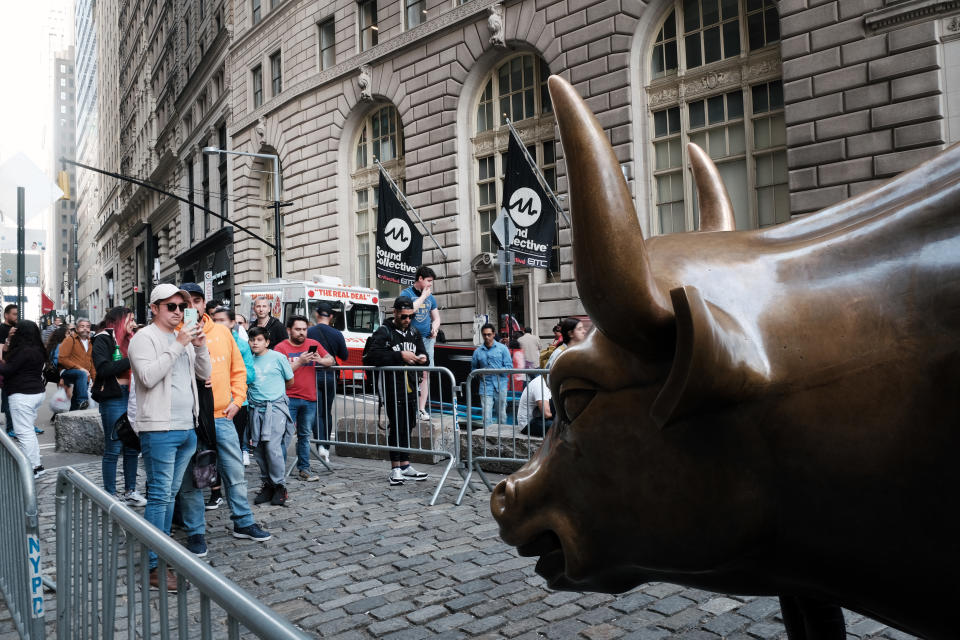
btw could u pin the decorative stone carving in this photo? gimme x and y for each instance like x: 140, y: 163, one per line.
x: 261, y: 129
x: 495, y: 24
x: 363, y: 81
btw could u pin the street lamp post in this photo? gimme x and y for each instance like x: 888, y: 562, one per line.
x: 276, y: 196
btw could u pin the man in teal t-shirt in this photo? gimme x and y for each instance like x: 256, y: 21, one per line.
x: 427, y: 323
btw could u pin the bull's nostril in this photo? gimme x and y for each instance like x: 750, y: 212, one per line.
x: 503, y: 497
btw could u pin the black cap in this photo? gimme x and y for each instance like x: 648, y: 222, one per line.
x: 403, y: 302
x: 324, y: 308
x: 193, y: 289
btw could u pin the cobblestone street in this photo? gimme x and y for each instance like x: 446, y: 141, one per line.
x: 352, y: 557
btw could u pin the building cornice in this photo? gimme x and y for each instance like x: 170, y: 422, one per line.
x: 467, y: 12
x: 897, y: 14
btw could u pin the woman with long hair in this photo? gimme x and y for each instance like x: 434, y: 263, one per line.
x: 572, y: 332
x: 22, y: 372
x: 111, y: 388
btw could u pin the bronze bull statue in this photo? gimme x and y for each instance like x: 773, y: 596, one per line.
x: 769, y: 412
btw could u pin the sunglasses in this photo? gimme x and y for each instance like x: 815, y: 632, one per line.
x: 406, y: 316
x: 173, y: 306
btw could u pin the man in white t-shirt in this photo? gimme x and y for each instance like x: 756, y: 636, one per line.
x: 535, y: 406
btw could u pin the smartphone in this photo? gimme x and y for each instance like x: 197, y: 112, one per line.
x: 189, y: 316
x: 313, y: 348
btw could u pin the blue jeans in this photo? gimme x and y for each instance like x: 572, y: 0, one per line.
x: 326, y: 392
x: 110, y: 411
x: 233, y: 484
x: 487, y: 400
x: 166, y: 455
x: 304, y: 414
x: 78, y: 378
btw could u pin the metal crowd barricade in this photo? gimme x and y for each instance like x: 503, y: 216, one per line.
x: 502, y: 441
x: 103, y: 577
x: 368, y: 401
x: 21, y: 582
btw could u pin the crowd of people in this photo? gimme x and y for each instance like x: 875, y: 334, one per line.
x: 198, y: 378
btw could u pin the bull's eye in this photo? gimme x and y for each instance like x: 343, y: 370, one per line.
x: 575, y: 401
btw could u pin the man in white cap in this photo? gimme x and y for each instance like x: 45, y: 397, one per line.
x: 165, y: 360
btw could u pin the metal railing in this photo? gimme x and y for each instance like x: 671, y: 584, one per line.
x: 500, y: 439
x: 373, y: 407
x: 21, y: 581
x: 103, y: 577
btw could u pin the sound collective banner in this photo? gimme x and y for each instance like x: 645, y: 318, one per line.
x: 532, y: 215
x: 399, y: 244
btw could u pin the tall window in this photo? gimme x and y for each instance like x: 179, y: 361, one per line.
x: 205, y: 185
x: 367, y: 23
x: 255, y: 11
x: 191, y: 214
x: 381, y: 137
x: 515, y: 89
x: 222, y: 171
x: 415, y: 12
x: 326, y: 44
x: 257, y: 74
x: 735, y: 113
x: 276, y: 74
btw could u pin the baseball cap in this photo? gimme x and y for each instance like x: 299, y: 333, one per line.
x: 324, y: 308
x: 164, y: 291
x: 403, y: 302
x: 193, y: 289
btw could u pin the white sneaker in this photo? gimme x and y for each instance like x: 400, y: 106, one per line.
x: 134, y: 498
x: 246, y: 458
x: 422, y: 415
x: 323, y: 453
x: 413, y: 474
x: 396, y: 476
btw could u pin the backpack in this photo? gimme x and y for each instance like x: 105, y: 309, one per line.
x: 55, y: 356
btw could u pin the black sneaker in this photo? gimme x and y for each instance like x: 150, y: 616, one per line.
x: 213, y: 503
x: 84, y: 405
x: 251, y: 532
x: 38, y: 471
x: 197, y: 545
x: 279, y: 496
x: 265, y: 495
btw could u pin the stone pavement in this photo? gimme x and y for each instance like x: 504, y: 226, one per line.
x: 352, y: 557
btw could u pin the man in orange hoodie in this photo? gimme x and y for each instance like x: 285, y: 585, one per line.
x: 228, y: 381
x: 76, y: 361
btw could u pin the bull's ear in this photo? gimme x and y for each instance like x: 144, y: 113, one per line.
x: 716, y: 362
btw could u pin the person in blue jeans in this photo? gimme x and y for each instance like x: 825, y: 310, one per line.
x: 165, y: 363
x: 493, y: 388
x: 304, y: 355
x: 331, y: 339
x: 111, y: 388
x: 228, y: 384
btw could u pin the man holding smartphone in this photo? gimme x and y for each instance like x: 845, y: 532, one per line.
x: 228, y: 384
x: 303, y: 354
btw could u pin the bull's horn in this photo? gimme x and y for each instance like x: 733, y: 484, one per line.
x: 613, y: 273
x: 716, y: 211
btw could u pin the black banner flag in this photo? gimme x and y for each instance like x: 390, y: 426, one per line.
x: 399, y: 244
x: 533, y: 217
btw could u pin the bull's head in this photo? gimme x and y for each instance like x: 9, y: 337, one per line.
x: 620, y: 441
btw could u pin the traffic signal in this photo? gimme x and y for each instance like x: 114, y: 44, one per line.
x: 63, y: 181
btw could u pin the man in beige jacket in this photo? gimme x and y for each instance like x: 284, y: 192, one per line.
x: 165, y: 363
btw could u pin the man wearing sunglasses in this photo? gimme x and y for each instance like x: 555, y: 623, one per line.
x: 165, y: 363
x: 396, y: 343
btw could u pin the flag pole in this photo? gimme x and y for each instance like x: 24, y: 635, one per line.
x: 537, y: 172
x: 406, y: 202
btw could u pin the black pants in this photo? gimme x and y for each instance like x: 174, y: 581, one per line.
x: 326, y: 392
x: 240, y: 421
x: 401, y: 418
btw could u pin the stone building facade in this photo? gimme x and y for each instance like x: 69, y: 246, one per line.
x: 163, y: 97
x: 62, y: 237
x: 801, y: 103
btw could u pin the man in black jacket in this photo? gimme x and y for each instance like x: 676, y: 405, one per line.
x: 396, y: 343
x: 261, y: 307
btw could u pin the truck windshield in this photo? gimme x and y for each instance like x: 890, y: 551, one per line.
x: 360, y: 318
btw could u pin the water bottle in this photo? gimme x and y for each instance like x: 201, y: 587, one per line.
x: 116, y: 347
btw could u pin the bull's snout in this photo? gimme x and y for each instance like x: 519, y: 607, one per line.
x: 503, y: 500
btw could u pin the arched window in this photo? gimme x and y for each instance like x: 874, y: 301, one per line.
x: 516, y: 89
x: 380, y: 137
x: 714, y: 70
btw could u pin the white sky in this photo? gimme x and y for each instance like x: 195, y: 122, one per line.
x: 26, y: 105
